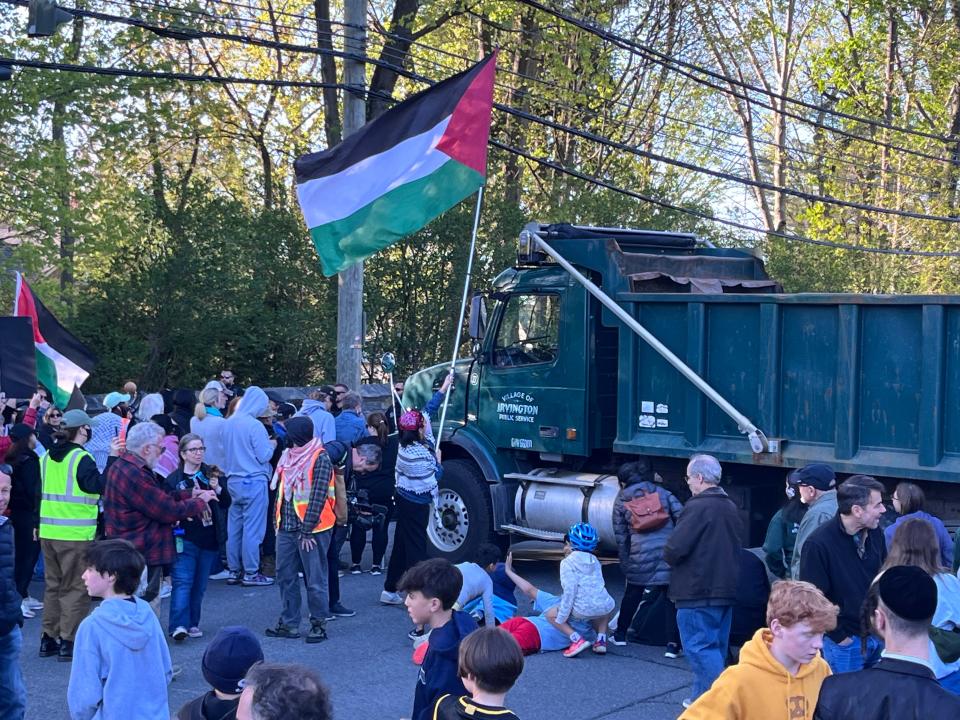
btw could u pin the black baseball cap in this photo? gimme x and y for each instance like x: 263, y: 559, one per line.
x: 816, y: 475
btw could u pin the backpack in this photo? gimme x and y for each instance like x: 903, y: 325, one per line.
x: 647, y: 513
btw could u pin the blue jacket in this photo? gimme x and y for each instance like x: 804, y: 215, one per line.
x: 641, y: 554
x: 121, y: 665
x: 438, y: 673
x: 943, y: 535
x: 246, y: 445
x: 323, y: 422
x: 9, y: 597
x: 350, y: 427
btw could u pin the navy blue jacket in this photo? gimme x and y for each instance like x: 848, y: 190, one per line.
x: 641, y: 554
x: 438, y: 674
x: 10, y: 615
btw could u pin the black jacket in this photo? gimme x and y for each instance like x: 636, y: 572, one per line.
x: 9, y: 597
x: 704, y: 551
x: 830, y: 561
x: 25, y: 490
x: 204, y: 537
x: 891, y: 690
x: 209, y: 707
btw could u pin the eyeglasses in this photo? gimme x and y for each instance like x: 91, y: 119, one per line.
x: 196, y: 449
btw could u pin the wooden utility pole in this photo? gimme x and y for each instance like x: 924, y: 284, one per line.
x: 350, y: 295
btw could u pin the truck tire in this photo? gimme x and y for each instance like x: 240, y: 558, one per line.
x: 465, y: 512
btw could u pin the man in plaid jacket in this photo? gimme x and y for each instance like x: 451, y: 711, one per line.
x: 137, y: 508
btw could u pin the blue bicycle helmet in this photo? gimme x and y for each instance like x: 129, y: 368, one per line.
x: 583, y: 536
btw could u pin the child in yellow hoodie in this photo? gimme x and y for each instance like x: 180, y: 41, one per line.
x: 780, y: 670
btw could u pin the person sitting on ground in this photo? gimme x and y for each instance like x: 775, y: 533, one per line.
x: 488, y: 560
x: 780, y: 667
x: 782, y: 531
x: 477, y: 590
x: 899, y: 607
x: 490, y: 663
x: 908, y: 501
x: 283, y: 692
x: 432, y: 587
x: 121, y: 665
x: 641, y: 549
x: 585, y: 595
x: 535, y: 633
x: 227, y: 659
x: 915, y: 543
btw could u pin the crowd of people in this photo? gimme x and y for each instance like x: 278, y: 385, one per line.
x: 162, y: 493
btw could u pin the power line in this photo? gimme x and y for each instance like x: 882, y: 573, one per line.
x: 704, y: 216
x: 665, y: 58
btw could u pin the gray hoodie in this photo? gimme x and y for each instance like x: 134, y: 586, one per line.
x: 823, y: 508
x: 246, y: 446
x: 121, y: 665
x: 323, y: 423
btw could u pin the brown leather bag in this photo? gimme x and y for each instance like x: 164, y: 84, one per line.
x: 647, y: 513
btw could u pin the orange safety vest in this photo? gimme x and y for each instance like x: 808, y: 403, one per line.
x: 301, y: 498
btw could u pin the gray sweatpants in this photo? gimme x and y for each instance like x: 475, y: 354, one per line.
x: 246, y: 523
x: 292, y: 559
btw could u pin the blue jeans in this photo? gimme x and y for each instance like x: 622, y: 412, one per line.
x: 848, y: 658
x: 705, y: 635
x: 189, y: 575
x: 246, y: 523
x: 13, y: 693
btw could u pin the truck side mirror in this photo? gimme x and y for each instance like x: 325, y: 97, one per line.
x: 478, y: 317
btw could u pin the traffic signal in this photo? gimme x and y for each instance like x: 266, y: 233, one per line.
x: 45, y: 17
x: 6, y: 71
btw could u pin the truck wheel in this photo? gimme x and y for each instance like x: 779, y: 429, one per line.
x: 464, y: 510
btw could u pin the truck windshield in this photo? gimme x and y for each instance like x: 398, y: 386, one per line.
x: 529, y: 331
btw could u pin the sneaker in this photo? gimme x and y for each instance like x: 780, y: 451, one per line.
x: 687, y: 702
x: 376, y: 570
x: 338, y: 610
x: 318, y: 633
x: 618, y: 640
x: 222, y: 575
x: 33, y: 603
x: 179, y: 634
x: 257, y: 580
x: 612, y: 625
x: 390, y: 598
x: 165, y: 590
x: 355, y: 570
x: 283, y: 631
x: 235, y: 577
x: 26, y: 611
x: 600, y: 646
x: 195, y: 632
x: 576, y: 648
x: 673, y: 651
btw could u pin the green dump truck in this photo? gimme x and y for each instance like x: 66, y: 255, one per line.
x: 603, y: 344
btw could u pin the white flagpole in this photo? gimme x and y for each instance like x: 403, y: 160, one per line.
x: 463, y: 309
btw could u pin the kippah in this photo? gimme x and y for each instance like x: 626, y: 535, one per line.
x: 909, y: 592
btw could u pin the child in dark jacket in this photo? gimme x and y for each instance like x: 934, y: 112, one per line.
x: 231, y: 653
x: 432, y: 587
x: 490, y: 663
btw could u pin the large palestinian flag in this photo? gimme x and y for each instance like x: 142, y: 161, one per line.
x: 399, y: 171
x: 63, y: 362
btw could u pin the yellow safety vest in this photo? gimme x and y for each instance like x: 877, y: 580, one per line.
x: 301, y: 498
x: 66, y: 511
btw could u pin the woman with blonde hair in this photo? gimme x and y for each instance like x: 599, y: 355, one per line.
x: 207, y: 420
x: 915, y: 543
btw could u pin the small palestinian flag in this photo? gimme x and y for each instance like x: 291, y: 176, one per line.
x: 63, y: 362
x: 399, y: 171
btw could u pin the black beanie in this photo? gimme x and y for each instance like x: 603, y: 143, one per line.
x: 228, y: 657
x: 299, y: 430
x: 909, y: 592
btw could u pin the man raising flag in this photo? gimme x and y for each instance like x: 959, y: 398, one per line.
x: 399, y: 171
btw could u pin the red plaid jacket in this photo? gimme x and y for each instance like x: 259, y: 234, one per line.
x: 137, y: 508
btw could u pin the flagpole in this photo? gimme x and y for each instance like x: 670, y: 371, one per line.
x: 463, y: 309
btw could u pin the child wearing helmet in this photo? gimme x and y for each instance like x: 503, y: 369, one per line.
x: 585, y: 595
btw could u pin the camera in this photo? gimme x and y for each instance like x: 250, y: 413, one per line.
x: 362, y: 513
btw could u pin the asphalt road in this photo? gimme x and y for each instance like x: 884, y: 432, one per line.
x: 366, y: 662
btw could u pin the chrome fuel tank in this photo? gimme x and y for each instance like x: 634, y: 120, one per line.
x: 549, y: 500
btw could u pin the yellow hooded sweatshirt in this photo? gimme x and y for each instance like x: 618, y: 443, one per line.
x: 760, y: 688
